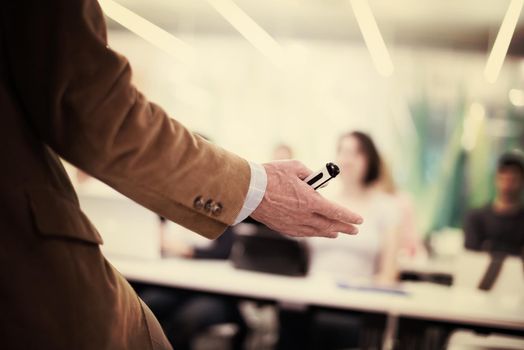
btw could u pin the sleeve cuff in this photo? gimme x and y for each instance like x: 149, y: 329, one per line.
x: 255, y: 193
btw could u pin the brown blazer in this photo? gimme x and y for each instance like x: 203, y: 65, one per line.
x: 64, y: 92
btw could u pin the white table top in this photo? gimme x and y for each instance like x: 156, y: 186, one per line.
x: 424, y: 301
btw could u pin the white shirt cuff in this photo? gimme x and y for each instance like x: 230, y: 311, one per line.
x: 255, y: 193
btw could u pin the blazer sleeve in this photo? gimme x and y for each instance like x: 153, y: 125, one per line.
x: 77, y: 96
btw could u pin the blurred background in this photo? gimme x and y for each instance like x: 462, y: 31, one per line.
x: 437, y: 85
x: 301, y: 74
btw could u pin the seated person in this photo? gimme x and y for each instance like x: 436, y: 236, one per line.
x: 369, y: 257
x: 499, y: 226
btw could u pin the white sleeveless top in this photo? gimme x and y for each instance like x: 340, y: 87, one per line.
x: 356, y: 258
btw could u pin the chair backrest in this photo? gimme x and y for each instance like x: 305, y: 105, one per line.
x: 470, y: 268
x: 267, y: 251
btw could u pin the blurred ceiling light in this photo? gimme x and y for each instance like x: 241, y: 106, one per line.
x: 516, y: 97
x: 250, y: 30
x: 472, y: 125
x: 371, y: 33
x: 148, y: 31
x: 501, y: 45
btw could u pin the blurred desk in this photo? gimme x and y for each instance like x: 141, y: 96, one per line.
x: 456, y: 308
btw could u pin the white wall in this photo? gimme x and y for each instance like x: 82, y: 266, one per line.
x: 238, y: 98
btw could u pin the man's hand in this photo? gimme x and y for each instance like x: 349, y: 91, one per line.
x: 292, y: 207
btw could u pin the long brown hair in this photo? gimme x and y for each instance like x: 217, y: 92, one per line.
x: 370, y: 151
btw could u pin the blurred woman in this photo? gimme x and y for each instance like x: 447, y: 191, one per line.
x: 367, y: 258
x: 370, y: 256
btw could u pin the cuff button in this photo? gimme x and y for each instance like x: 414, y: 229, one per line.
x: 198, y: 203
x: 208, y: 205
x: 216, y: 209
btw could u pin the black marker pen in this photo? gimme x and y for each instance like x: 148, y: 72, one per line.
x: 320, y: 178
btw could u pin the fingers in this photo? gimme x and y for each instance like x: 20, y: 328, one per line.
x: 312, y: 231
x: 328, y: 235
x: 292, y: 207
x: 306, y: 231
x: 336, y: 212
x: 331, y: 235
x: 325, y: 225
